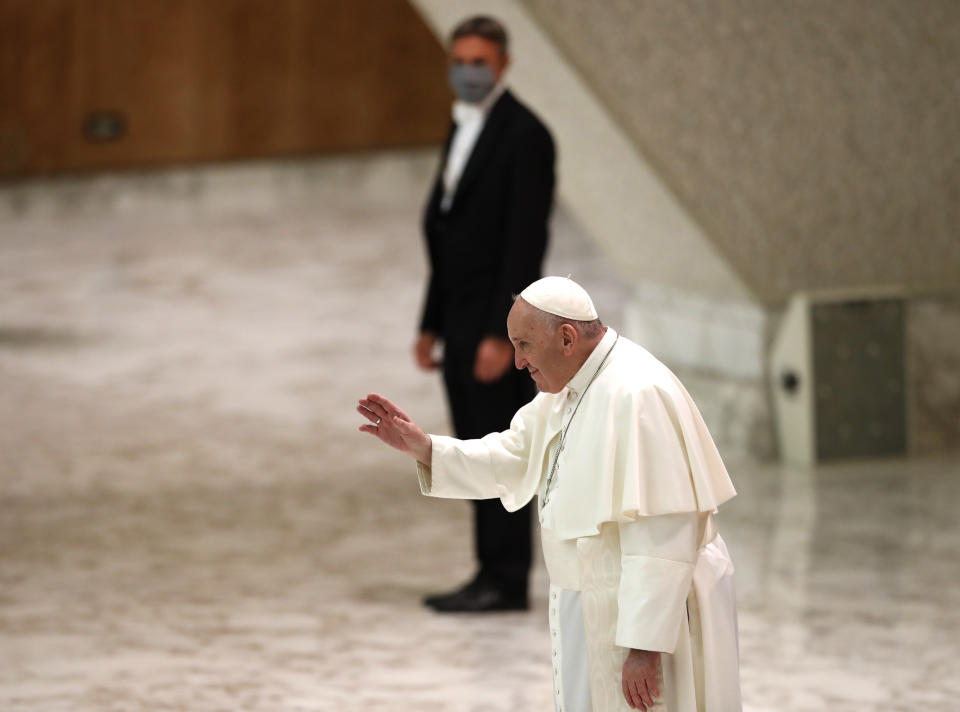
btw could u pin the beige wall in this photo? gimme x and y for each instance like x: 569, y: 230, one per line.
x: 814, y: 141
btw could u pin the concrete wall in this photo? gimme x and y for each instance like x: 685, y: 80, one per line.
x: 814, y: 141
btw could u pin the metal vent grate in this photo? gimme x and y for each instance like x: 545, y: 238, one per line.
x: 858, y: 366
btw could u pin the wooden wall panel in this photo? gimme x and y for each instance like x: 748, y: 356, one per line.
x: 213, y: 79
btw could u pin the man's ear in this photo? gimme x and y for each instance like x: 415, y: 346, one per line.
x: 504, y: 64
x: 570, y: 337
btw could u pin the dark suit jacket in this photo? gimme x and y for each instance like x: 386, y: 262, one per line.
x: 491, y: 242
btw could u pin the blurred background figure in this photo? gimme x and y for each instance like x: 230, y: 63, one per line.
x: 486, y: 225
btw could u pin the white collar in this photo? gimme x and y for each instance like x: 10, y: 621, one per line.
x: 581, y: 378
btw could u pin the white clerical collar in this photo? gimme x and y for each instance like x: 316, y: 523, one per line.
x: 467, y: 113
x: 582, y: 377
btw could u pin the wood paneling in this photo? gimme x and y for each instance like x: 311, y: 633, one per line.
x: 213, y: 79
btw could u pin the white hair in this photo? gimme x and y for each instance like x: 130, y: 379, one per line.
x: 586, y: 329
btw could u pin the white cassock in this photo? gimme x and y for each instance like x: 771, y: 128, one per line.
x: 627, y: 527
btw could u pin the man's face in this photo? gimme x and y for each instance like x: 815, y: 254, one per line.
x: 542, y: 352
x: 473, y: 50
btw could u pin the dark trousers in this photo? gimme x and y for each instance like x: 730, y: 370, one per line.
x: 502, y: 538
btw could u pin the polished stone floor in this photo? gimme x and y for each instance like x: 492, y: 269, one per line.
x: 190, y: 521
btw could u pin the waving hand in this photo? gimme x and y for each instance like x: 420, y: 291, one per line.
x: 394, y: 427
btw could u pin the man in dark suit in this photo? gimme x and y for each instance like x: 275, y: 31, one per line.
x: 486, y: 229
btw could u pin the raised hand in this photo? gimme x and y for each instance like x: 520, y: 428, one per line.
x: 394, y: 427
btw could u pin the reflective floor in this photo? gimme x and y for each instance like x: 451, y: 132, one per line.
x: 190, y: 521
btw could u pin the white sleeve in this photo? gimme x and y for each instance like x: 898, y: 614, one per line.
x: 657, y: 557
x: 486, y: 468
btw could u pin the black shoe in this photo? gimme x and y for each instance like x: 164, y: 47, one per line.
x: 476, y: 597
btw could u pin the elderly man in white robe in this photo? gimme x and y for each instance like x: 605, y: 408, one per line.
x: 642, y: 609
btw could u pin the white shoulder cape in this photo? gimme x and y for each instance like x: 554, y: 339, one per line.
x: 637, y: 447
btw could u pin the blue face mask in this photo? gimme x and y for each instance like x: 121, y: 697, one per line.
x: 471, y: 82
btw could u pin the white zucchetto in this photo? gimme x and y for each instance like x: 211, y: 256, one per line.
x: 560, y: 296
